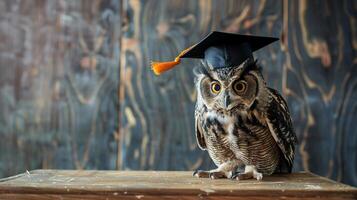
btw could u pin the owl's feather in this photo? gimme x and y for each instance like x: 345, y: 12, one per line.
x: 280, y: 126
x: 199, y: 133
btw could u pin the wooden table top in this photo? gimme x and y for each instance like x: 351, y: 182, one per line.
x: 72, y: 184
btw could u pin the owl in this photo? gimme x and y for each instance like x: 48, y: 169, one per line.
x: 242, y: 123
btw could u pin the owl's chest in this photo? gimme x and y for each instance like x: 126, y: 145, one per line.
x: 229, y: 137
x: 219, y: 126
x: 220, y: 133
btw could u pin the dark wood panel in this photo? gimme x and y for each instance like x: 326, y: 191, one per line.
x: 71, y: 184
x: 59, y: 63
x: 320, y: 82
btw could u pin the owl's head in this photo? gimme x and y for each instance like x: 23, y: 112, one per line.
x: 228, y: 89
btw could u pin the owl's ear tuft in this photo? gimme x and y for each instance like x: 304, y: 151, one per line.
x: 254, y: 66
x: 200, y: 70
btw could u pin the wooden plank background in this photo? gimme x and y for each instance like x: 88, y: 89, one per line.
x: 76, y: 90
x: 59, y: 63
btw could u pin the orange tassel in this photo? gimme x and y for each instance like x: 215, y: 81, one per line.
x: 160, y: 67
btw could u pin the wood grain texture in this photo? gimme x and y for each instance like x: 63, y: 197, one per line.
x: 319, y: 79
x: 59, y: 63
x: 71, y: 184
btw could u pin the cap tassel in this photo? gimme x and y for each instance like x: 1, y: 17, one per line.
x: 160, y: 67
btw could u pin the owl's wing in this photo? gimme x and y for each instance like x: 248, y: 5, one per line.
x: 198, y: 128
x: 280, y: 126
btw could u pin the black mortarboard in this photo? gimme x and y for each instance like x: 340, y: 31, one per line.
x: 219, y: 50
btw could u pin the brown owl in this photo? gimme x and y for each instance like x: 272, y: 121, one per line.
x: 240, y: 121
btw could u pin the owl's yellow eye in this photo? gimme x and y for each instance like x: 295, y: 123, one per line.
x: 240, y: 86
x: 215, y: 87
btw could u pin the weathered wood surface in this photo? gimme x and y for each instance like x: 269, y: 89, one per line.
x: 59, y: 184
x: 313, y: 66
x: 59, y: 81
x: 59, y: 64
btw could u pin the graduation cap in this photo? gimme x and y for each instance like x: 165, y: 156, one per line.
x: 219, y: 50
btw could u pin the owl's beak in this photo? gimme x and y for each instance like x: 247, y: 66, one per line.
x: 227, y: 101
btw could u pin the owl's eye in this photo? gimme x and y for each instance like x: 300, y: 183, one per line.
x: 240, y: 86
x: 215, y: 87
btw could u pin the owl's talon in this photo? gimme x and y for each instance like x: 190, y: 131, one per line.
x: 217, y: 175
x: 210, y: 175
x: 234, y: 176
x: 258, y: 176
x: 242, y: 176
x: 201, y: 174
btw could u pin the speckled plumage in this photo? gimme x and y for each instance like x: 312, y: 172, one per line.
x: 255, y: 132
